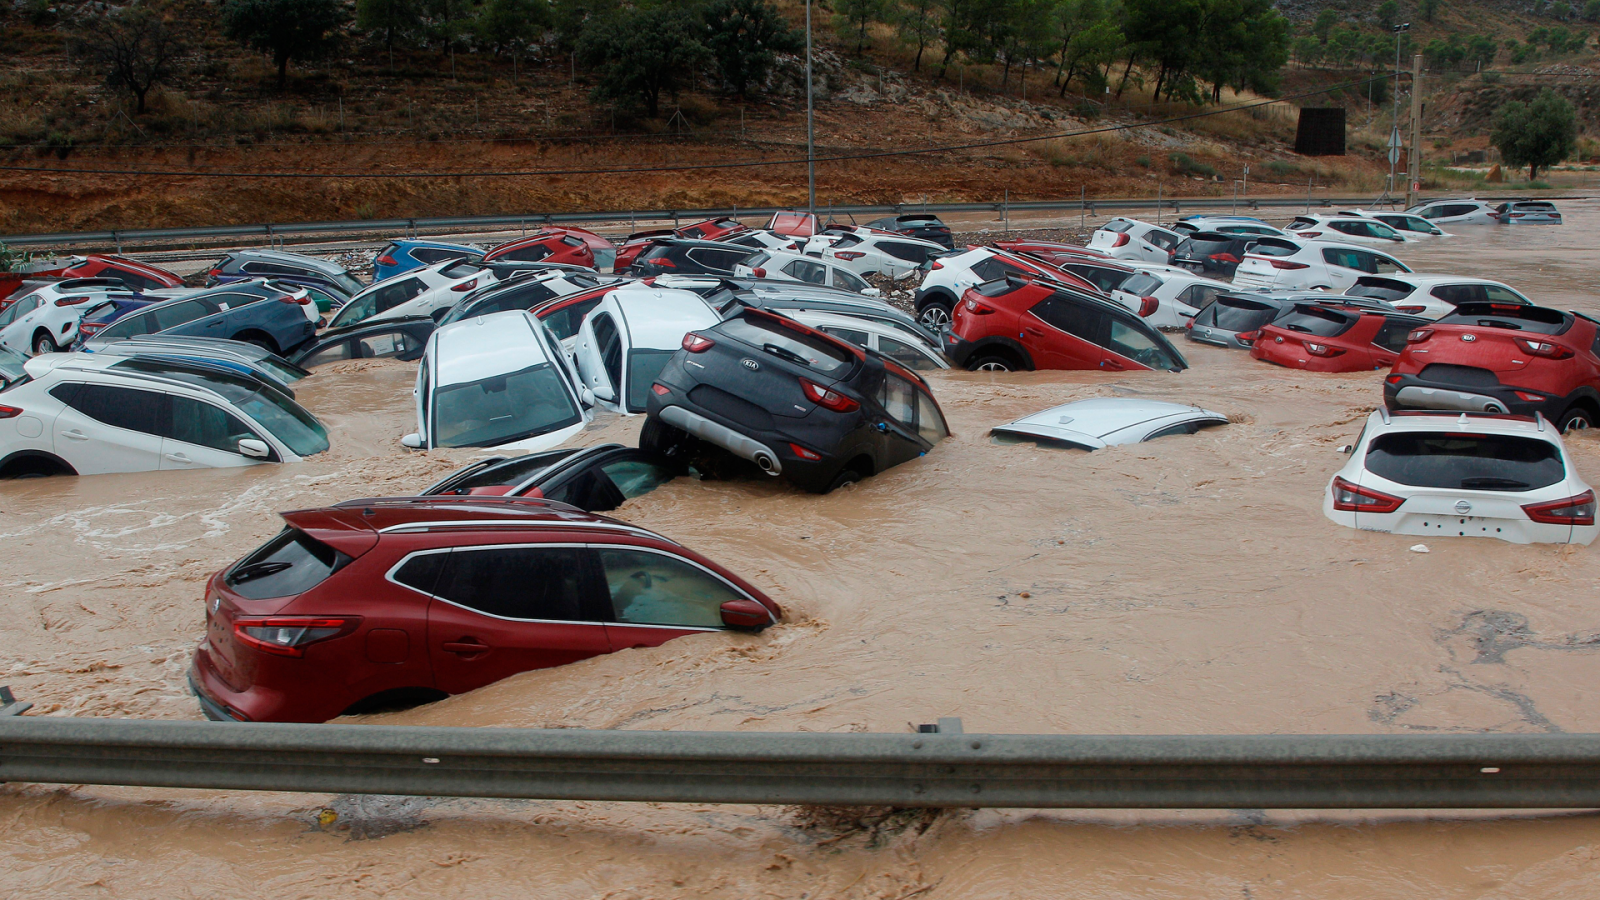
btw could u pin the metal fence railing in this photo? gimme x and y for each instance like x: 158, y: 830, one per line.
x: 938, y: 769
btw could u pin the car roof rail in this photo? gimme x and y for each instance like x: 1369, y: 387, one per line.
x: 1383, y: 413
x: 1538, y: 420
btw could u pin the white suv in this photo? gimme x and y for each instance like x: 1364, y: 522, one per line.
x: 625, y: 342
x: 951, y: 276
x: 1467, y: 211
x: 430, y: 290
x: 46, y: 319
x: 1166, y: 296
x: 1433, y: 295
x: 89, y: 415
x: 1352, y: 228
x: 866, y: 251
x: 1300, y: 265
x: 1123, y: 238
x: 781, y: 265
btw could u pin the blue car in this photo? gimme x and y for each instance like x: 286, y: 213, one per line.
x: 404, y: 255
x: 268, y: 314
x: 98, y: 317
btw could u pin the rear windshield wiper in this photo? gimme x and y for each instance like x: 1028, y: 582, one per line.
x: 786, y: 353
x: 1491, y: 483
x: 257, y: 570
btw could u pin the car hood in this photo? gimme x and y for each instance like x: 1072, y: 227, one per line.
x: 1105, y: 421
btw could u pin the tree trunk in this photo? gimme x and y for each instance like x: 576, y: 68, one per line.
x: 917, y: 66
x: 652, y: 103
x: 1125, y: 70
x: 861, y: 36
x: 139, y: 96
x: 283, y: 69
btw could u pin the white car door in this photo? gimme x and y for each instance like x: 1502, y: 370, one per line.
x: 600, y: 355
x: 204, y: 436
x: 16, y: 325
x: 108, y: 428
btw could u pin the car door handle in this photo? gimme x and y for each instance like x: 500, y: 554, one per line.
x: 1033, y: 331
x: 179, y: 458
x: 74, y: 435
x: 465, y: 646
x: 1111, y: 364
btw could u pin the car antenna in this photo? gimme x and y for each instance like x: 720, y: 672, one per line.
x: 1463, y: 420
x: 1383, y: 412
x: 1538, y: 419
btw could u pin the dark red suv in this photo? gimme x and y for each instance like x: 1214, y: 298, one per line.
x: 1502, y: 358
x: 1014, y: 324
x: 137, y: 276
x: 553, y: 245
x: 1321, y: 338
x: 382, y: 602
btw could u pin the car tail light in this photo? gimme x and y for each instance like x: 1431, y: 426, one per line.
x: 1309, y: 234
x: 386, y: 261
x: 803, y: 453
x: 827, y: 399
x: 937, y: 265
x: 1577, y: 510
x: 1420, y: 335
x: 214, y: 273
x: 1529, y: 396
x: 1323, y: 350
x: 1517, y: 215
x: 1394, y: 379
x: 848, y: 254
x: 1248, y: 338
x: 465, y: 286
x: 9, y: 412
x: 301, y: 298
x: 290, y: 635
x: 87, y: 329
x: 979, y: 309
x: 1121, y: 241
x: 1546, y: 349
x: 1411, y: 309
x: 759, y: 272
x: 1350, y: 498
x: 70, y: 301
x: 1286, y: 264
x: 660, y: 390
x: 1148, y: 306
x: 663, y: 262
x: 694, y: 343
x: 1225, y: 257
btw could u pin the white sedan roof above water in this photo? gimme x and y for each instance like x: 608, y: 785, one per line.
x: 1104, y: 421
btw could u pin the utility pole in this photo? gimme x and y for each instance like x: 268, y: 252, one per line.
x: 1394, y: 133
x: 811, y: 146
x: 1414, y: 176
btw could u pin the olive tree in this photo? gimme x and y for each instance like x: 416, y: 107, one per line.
x: 1537, y: 134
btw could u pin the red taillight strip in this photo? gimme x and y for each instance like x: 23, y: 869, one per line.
x: 1349, y: 497
x: 1577, y: 510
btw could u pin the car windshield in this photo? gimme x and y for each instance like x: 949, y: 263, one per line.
x: 1380, y: 289
x: 1237, y: 314
x: 643, y: 367
x: 287, y: 420
x: 1317, y: 321
x: 502, y: 409
x: 793, y: 345
x: 1479, y: 462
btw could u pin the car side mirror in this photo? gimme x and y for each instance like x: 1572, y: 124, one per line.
x: 602, y: 390
x: 1348, y: 449
x: 743, y: 613
x: 872, y: 292
x: 412, y: 441
x: 255, y: 449
x: 586, y: 395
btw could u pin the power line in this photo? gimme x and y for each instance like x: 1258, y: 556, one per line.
x: 737, y: 164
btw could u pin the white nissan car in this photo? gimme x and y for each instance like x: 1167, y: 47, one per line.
x: 1299, y: 265
x: 626, y: 340
x: 1438, y: 474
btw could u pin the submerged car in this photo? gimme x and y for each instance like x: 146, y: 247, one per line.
x: 1297, y: 265
x: 1102, y: 422
x: 925, y: 226
x: 1124, y: 238
x: 594, y: 479
x: 294, y: 268
x: 403, y: 339
x: 1234, y: 319
x: 799, y: 403
x: 1463, y: 475
x: 246, y: 359
x: 627, y: 338
x: 1432, y: 296
x: 1527, y: 212
x: 265, y: 313
x: 779, y: 265
x: 1320, y: 338
x: 426, y: 291
x: 380, y: 602
x: 404, y: 254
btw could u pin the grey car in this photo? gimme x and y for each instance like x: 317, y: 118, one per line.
x: 1528, y: 212
x: 243, y: 265
x: 726, y: 295
x: 1232, y: 319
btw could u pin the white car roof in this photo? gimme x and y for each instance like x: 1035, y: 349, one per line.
x: 484, y: 346
x: 1424, y: 280
x: 1173, y: 271
x: 1091, y: 423
x: 658, y: 318
x: 1382, y: 421
x: 839, y: 320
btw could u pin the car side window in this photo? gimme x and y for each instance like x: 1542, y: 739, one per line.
x: 149, y: 412
x: 547, y: 583
x: 530, y: 253
x: 180, y: 313
x: 655, y: 589
x: 1166, y: 240
x: 331, y: 353
x: 1383, y: 265
x: 1077, y: 319
x: 196, y: 422
x: 899, y: 399
x: 905, y: 354
x: 1128, y: 341
x: 423, y: 387
x: 609, y: 343
x: 930, y: 423
x: 1200, y: 296
x: 1496, y: 294
x: 848, y: 280
x: 914, y: 253
x: 393, y: 343
x: 1457, y: 294
x: 129, y: 326
x: 718, y: 260
x: 1347, y: 259
x: 859, y: 338
x: 634, y: 477
x: 807, y: 271
x: 565, y: 322
x: 1392, y: 336
x: 988, y: 269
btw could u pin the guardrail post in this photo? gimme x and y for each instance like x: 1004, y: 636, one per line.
x: 117, y: 240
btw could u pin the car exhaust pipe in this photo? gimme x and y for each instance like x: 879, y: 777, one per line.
x: 724, y: 437
x: 766, y: 463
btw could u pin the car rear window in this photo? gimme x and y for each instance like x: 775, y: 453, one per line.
x: 1479, y: 462
x: 461, y: 269
x: 1380, y: 289
x: 1316, y: 320
x: 1118, y: 226
x: 291, y: 563
x: 1532, y: 319
x: 1238, y: 314
x: 1204, y: 244
x: 1534, y: 207
x: 1142, y: 284
x: 1274, y: 247
x: 813, y: 351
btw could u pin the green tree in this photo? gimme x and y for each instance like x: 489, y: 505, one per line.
x: 571, y: 17
x: 962, y: 29
x: 918, y: 25
x: 511, y: 26
x: 1429, y: 9
x: 135, y: 49
x: 1388, y: 14
x: 1307, y: 49
x: 1243, y: 44
x: 393, y: 19
x: 1538, y: 134
x: 287, y: 29
x: 1072, y: 17
x: 1323, y: 26
x: 745, y: 37
x: 641, y: 53
x: 1591, y: 11
x: 851, y: 18
x: 1091, y: 52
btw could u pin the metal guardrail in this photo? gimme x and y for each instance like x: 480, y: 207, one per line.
x: 278, y: 233
x: 944, y: 768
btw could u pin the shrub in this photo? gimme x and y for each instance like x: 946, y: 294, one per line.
x: 1183, y: 164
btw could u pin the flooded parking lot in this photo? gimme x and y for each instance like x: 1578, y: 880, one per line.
x: 1188, y: 585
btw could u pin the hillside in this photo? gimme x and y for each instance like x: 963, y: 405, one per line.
x: 364, y: 112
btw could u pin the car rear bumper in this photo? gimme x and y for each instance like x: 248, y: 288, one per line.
x: 722, y: 436
x: 1215, y: 337
x: 205, y: 686
x: 1411, y: 392
x: 834, y: 448
x: 957, y: 349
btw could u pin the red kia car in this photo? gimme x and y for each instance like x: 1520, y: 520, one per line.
x: 1014, y: 324
x: 709, y: 230
x: 1053, y: 252
x: 1502, y: 358
x: 552, y: 245
x: 137, y: 276
x: 1321, y: 338
x: 380, y: 602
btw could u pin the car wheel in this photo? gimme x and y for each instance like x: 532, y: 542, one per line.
x: 991, y: 364
x: 44, y: 344
x: 844, y: 479
x: 935, y: 317
x: 662, y: 439
x: 1577, y: 418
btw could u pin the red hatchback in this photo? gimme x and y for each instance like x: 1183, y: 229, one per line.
x: 137, y: 276
x: 1014, y: 324
x: 381, y: 602
x: 1503, y: 358
x: 553, y: 245
x: 1321, y: 338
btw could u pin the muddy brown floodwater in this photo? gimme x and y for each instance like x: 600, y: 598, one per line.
x: 1189, y: 585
